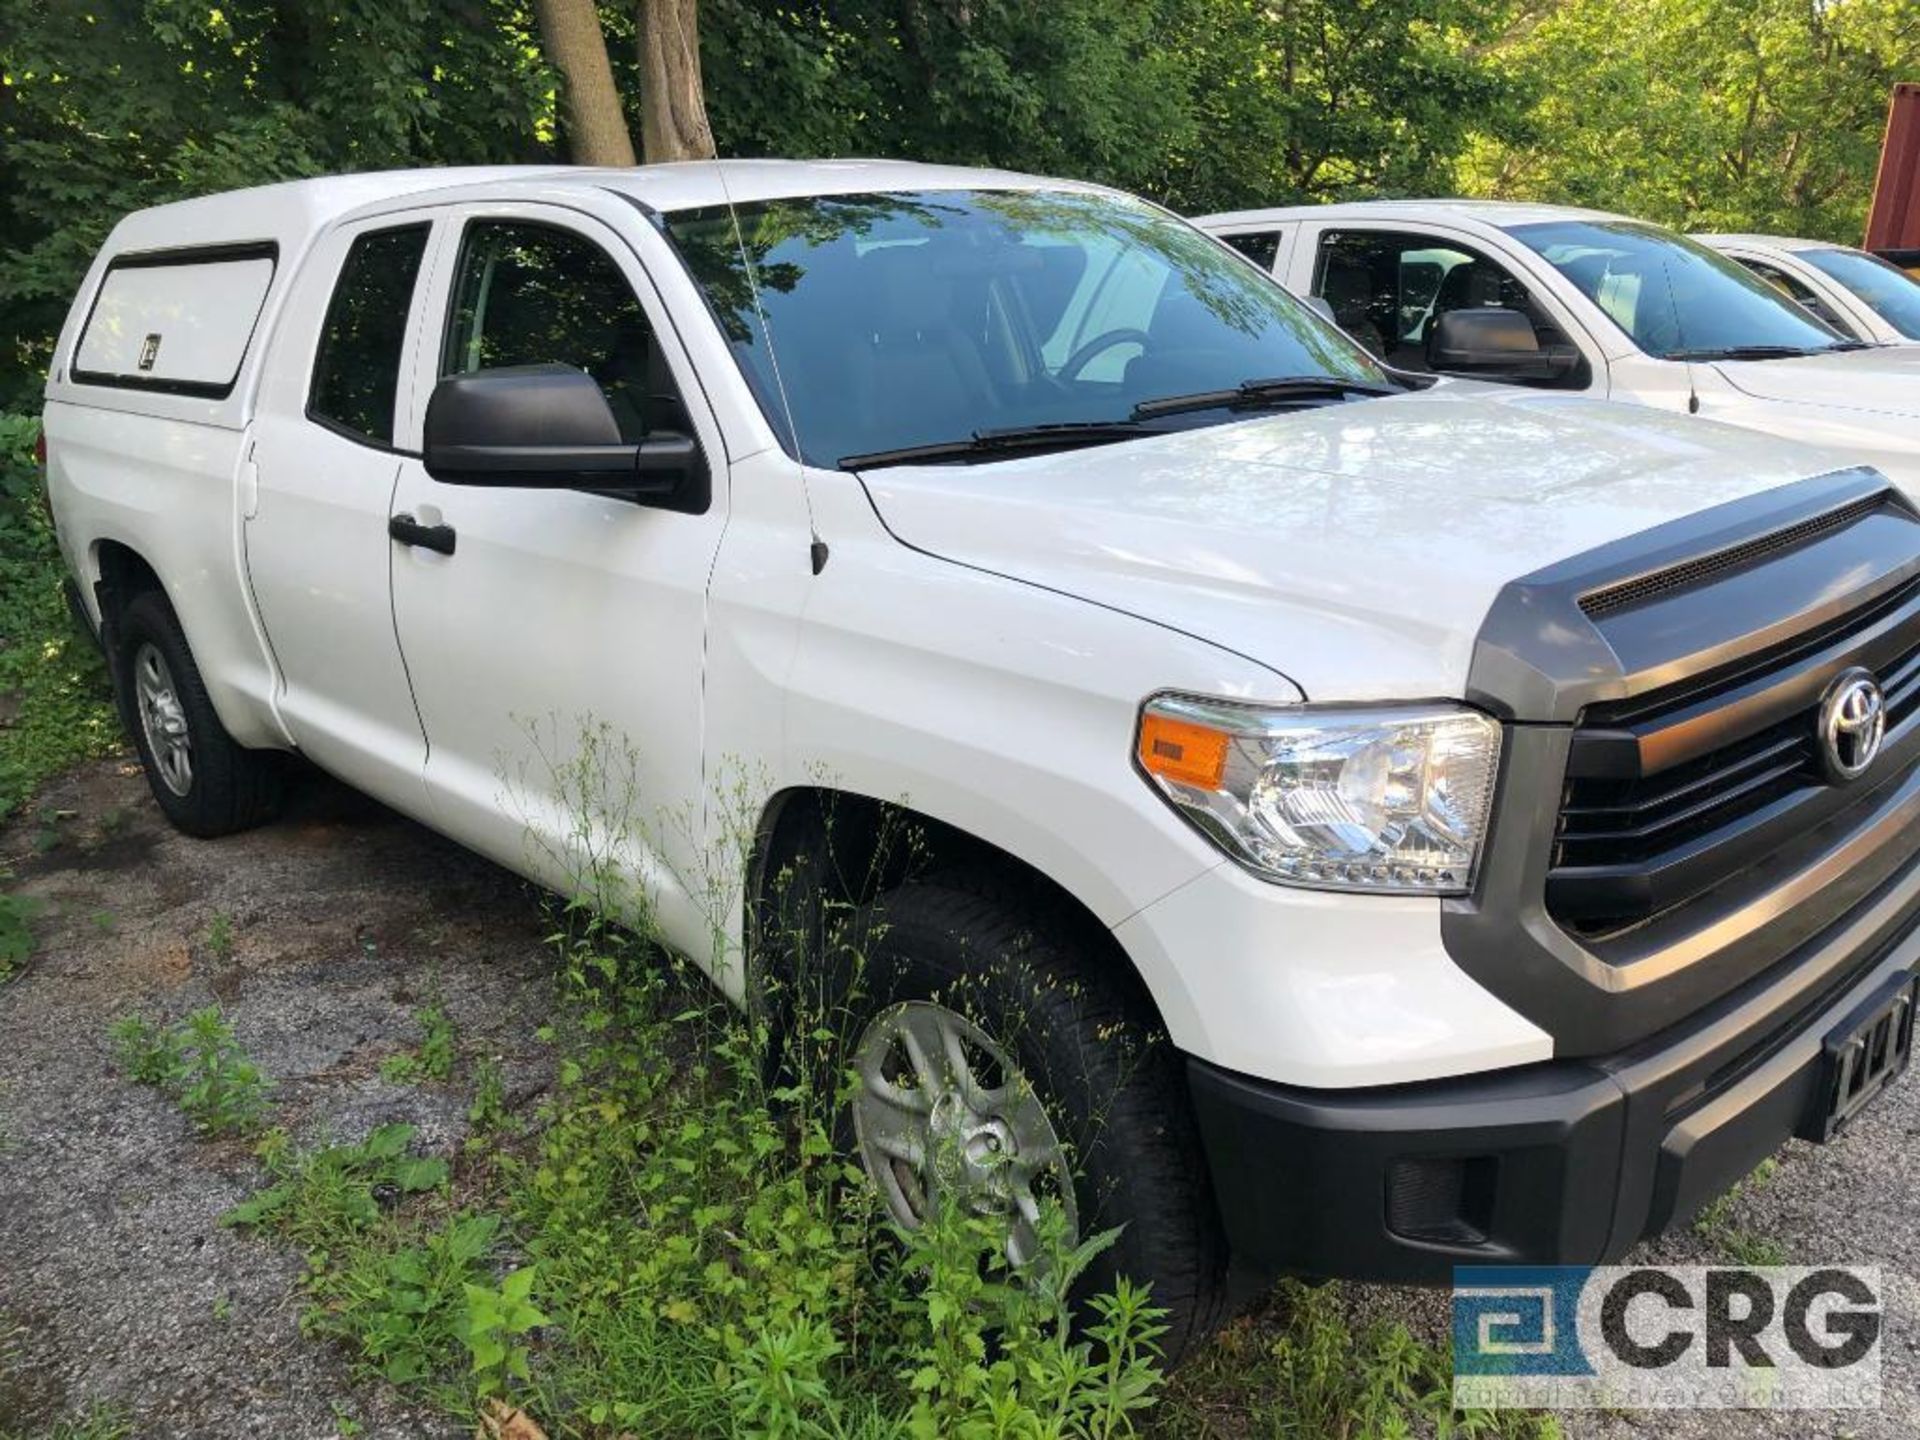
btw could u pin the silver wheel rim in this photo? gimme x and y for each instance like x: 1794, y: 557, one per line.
x: 941, y: 1113
x: 162, y: 720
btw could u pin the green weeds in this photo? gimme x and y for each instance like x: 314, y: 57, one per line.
x: 99, y: 1421
x: 1316, y: 1378
x: 498, y: 1319
x: 17, y: 914
x: 324, y: 1200
x: 1732, y: 1241
x: 220, y: 937
x: 200, y: 1066
x: 433, y: 1059
x: 673, y: 1244
x: 52, y: 679
x: 387, y: 1280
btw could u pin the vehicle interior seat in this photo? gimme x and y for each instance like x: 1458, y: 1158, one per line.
x: 1348, y: 290
x: 914, y: 368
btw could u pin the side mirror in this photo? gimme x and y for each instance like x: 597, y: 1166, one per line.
x: 1493, y: 342
x: 549, y: 427
x: 1319, y: 306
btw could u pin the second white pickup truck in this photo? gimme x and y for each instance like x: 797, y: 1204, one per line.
x: 1592, y: 304
x: 1493, y: 811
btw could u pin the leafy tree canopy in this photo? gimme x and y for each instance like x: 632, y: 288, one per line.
x: 1724, y: 113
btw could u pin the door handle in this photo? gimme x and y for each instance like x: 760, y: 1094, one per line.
x: 409, y: 531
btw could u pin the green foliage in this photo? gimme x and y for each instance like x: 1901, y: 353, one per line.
x: 433, y: 1060
x: 1718, y: 1223
x: 198, y: 1064
x: 998, y: 1355
x: 383, y: 1280
x: 99, y: 1421
x: 1730, y: 113
x: 109, y: 108
x: 403, y: 1300
x: 322, y: 1199
x: 487, y: 1115
x: 1703, y: 114
x: 1318, y: 1378
x: 51, y: 675
x: 497, y: 1319
x: 17, y: 914
x: 220, y: 937
x: 1204, y: 104
x: 689, y: 1257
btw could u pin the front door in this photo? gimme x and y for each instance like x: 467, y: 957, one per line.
x: 315, y: 496
x: 556, y: 653
x: 1388, y: 287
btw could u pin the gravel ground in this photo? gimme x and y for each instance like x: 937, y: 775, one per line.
x: 117, y: 1283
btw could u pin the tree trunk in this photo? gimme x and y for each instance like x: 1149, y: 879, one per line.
x: 673, y: 101
x: 596, y: 128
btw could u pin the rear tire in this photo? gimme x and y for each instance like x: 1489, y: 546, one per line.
x: 204, y: 782
x: 1107, y: 1077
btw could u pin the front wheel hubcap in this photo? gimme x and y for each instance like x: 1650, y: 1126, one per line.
x: 163, y: 720
x: 943, y: 1114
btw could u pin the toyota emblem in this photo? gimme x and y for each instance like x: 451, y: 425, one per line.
x: 1853, y: 722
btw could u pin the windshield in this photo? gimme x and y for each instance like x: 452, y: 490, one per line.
x: 905, y: 320
x: 1889, y: 291
x: 1675, y: 299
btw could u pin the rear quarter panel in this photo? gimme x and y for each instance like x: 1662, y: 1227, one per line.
x: 165, y: 488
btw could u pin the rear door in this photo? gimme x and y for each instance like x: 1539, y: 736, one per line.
x: 557, y: 652
x: 1265, y: 245
x: 316, y: 489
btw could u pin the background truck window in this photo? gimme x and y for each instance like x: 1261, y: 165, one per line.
x: 1259, y: 246
x: 1797, y: 291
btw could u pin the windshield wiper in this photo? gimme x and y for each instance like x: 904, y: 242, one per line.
x: 1751, y: 352
x: 1279, y: 390
x: 1012, y: 440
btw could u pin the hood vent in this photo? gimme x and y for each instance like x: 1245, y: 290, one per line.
x: 1698, y: 571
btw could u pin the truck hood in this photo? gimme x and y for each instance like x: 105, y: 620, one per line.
x: 1885, y: 379
x: 1354, y: 548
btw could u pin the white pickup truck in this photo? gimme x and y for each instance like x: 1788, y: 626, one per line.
x: 1593, y: 304
x: 1858, y: 294
x: 1499, y: 806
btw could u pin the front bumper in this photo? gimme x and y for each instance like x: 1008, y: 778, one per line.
x: 1564, y: 1162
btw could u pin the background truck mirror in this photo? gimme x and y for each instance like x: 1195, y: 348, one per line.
x: 1493, y: 342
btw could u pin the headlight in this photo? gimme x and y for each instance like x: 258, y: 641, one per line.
x: 1390, y: 799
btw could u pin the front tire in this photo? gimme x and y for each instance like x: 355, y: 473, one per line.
x: 1042, y: 1043
x: 204, y: 782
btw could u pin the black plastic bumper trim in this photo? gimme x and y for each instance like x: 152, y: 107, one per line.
x: 1588, y: 1156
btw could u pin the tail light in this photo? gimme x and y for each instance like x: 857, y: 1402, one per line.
x: 40, y: 459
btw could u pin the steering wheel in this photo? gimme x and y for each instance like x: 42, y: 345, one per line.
x: 1099, y: 345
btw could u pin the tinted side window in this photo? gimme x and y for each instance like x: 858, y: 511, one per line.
x: 532, y: 294
x: 1797, y: 290
x: 357, y: 367
x: 1259, y: 246
x: 1386, y: 288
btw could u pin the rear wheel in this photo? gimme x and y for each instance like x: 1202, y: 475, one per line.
x: 204, y: 782
x: 1000, y: 1065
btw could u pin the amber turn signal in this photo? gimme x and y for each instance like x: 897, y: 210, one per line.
x: 1183, y: 751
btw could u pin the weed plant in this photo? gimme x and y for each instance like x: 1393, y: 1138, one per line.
x: 200, y: 1065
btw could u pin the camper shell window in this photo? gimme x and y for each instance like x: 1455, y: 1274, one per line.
x: 178, y: 321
